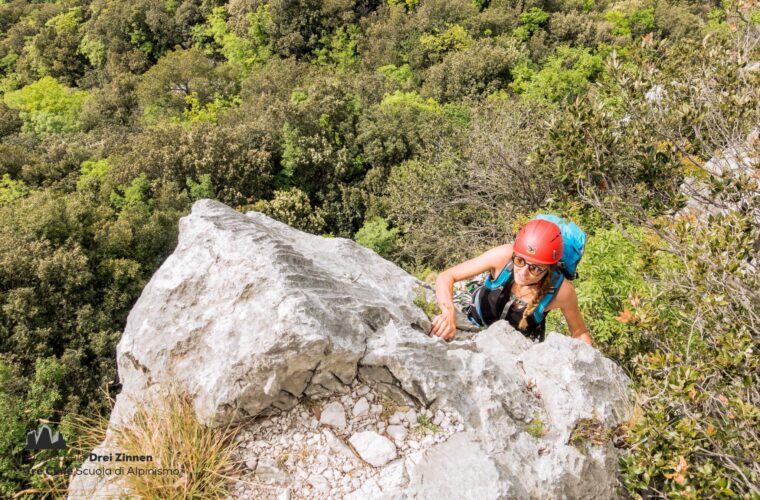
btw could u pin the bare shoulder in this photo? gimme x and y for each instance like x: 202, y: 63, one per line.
x: 564, y: 297
x: 501, y: 256
x: 505, y: 251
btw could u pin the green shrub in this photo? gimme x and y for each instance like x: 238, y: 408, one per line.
x: 530, y: 21
x: 453, y: 38
x: 634, y: 23
x: 11, y: 189
x: 375, y: 235
x: 164, y: 89
x: 214, y: 37
x: 425, y: 425
x: 70, y: 269
x: 92, y: 175
x: 205, y: 113
x: 696, y: 436
x: 536, y: 428
x: 565, y: 75
x: 47, y: 107
x: 339, y: 48
x: 478, y: 70
x: 401, y: 126
x: 431, y: 309
x: 202, y: 189
x: 238, y: 158
x: 611, y: 281
x: 292, y: 207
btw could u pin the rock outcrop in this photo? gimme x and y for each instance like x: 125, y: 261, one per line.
x: 731, y: 162
x: 250, y: 316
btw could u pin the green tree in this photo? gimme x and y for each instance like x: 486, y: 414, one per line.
x: 565, y: 75
x: 339, y: 48
x: 530, y: 21
x: 54, y: 50
x: 479, y: 70
x: 202, y: 189
x: 239, y: 158
x: 47, y: 107
x: 164, y: 90
x: 11, y: 189
x: 293, y: 207
x: 214, y: 37
x: 375, y: 235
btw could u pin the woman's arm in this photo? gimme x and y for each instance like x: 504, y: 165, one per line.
x: 444, y: 325
x: 568, y: 302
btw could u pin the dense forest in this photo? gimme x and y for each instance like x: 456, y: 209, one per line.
x: 427, y: 130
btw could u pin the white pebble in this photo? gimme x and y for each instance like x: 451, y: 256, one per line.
x: 375, y: 449
x: 361, y: 391
x: 333, y: 415
x: 438, y: 419
x: 397, y: 432
x: 411, y: 416
x: 318, y: 482
x: 360, y: 408
x: 396, y: 418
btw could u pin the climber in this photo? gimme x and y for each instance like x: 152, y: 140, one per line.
x: 531, y: 281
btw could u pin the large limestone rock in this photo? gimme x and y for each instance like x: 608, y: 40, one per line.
x: 248, y: 315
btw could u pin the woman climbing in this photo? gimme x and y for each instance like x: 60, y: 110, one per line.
x: 531, y: 281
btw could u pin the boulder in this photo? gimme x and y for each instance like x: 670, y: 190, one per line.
x: 249, y: 315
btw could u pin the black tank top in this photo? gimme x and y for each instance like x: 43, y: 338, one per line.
x: 492, y: 302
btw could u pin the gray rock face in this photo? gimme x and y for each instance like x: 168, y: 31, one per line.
x: 458, y: 468
x: 248, y: 315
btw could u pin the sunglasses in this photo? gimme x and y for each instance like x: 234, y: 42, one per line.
x: 533, y: 268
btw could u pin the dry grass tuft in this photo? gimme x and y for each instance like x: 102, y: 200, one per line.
x: 170, y: 432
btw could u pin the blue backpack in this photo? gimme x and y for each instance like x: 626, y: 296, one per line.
x: 573, y: 243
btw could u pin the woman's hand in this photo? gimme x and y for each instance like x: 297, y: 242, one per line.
x: 445, y: 324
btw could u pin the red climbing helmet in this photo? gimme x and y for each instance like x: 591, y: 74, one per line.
x: 539, y: 241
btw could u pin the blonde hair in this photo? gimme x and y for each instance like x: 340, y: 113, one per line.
x: 546, y: 285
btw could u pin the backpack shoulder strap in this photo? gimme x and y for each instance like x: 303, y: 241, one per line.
x: 504, y: 275
x: 538, y: 314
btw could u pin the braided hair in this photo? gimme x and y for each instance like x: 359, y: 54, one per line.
x: 546, y: 286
